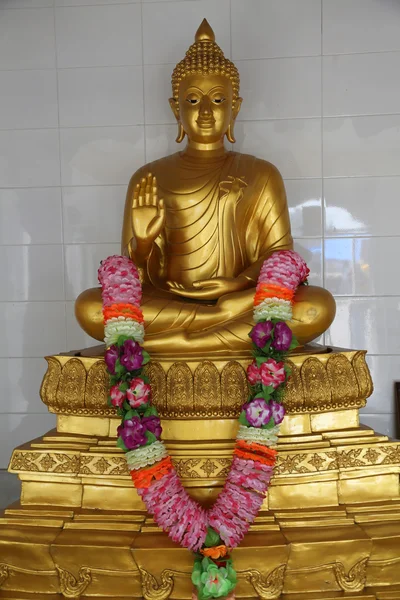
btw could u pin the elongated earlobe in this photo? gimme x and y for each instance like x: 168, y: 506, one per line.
x: 230, y: 133
x: 181, y: 133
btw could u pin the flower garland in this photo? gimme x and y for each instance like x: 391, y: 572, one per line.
x: 213, y: 533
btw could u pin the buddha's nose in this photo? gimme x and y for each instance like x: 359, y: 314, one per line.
x: 205, y: 107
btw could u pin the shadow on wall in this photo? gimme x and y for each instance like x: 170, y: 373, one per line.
x: 10, y: 488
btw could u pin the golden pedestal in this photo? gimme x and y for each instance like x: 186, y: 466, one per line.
x: 329, y: 528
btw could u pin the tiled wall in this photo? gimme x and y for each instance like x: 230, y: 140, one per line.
x: 84, y: 86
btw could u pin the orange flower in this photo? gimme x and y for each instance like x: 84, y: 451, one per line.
x: 256, y: 457
x: 271, y: 290
x: 129, y: 311
x: 257, y: 448
x: 216, y: 551
x: 144, y: 477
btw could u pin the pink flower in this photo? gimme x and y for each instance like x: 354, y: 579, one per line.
x: 278, y: 412
x: 284, y: 268
x: 120, y: 282
x: 258, y: 413
x: 117, y: 397
x: 272, y: 373
x: 253, y: 373
x: 138, y: 393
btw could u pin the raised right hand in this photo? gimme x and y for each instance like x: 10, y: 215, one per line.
x: 148, y: 211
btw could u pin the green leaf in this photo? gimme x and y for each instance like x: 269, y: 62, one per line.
x: 260, y: 360
x: 151, y: 438
x: 131, y: 413
x: 267, y: 346
x: 294, y: 344
x: 119, y: 369
x: 267, y: 391
x: 121, y: 339
x: 243, y: 420
x: 146, y: 357
x: 212, y: 538
x: 269, y: 425
x: 145, y: 378
x: 124, y: 386
x: 120, y: 444
x: 150, y: 410
x: 126, y: 406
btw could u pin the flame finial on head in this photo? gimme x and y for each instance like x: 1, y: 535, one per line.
x: 205, y: 32
x: 205, y: 57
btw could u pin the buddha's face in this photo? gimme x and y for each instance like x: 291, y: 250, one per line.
x: 205, y: 107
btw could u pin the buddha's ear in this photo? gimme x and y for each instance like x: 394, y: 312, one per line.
x: 236, y: 108
x: 174, y: 107
x: 235, y: 111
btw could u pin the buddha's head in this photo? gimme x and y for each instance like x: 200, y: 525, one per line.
x: 205, y: 87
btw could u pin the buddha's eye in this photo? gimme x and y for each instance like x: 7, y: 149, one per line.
x: 219, y: 100
x: 192, y: 100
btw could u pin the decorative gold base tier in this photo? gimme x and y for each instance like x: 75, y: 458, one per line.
x: 330, y: 527
x: 352, y: 552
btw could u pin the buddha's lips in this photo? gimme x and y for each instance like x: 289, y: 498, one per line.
x: 206, y: 123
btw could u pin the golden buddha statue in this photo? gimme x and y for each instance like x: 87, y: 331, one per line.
x: 200, y: 223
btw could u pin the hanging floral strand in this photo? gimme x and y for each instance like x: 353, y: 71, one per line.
x: 213, y: 533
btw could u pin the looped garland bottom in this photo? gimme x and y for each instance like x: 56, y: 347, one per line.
x: 210, y: 534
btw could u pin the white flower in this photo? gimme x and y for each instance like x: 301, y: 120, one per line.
x: 121, y: 326
x: 267, y: 437
x: 145, y: 455
x: 273, y: 308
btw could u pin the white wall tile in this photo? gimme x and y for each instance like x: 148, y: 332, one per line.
x: 28, y: 99
x: 32, y: 329
x: 294, y: 146
x: 31, y: 273
x: 93, y: 214
x: 160, y: 141
x: 101, y: 96
x: 383, y: 423
x: 371, y: 324
x: 76, y: 337
x: 30, y: 216
x: 311, y: 251
x: 20, y: 381
x: 91, y: 36
x: 101, y: 155
x: 280, y: 88
x: 17, y: 429
x: 272, y: 28
x: 91, y: 2
x: 385, y: 370
x: 361, y: 146
x: 27, y: 39
x: 348, y: 89
x: 360, y: 26
x: 81, y: 265
x: 304, y: 201
x: 29, y: 158
x: 166, y: 40
x: 362, y: 266
x: 362, y: 205
x: 26, y: 3
x: 157, y: 91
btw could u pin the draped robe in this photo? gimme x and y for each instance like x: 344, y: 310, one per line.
x: 223, y: 218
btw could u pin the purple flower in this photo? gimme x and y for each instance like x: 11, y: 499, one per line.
x: 132, y: 356
x: 278, y: 412
x: 153, y: 425
x: 111, y: 357
x: 258, y: 413
x: 261, y: 333
x: 282, y: 337
x: 132, y: 433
